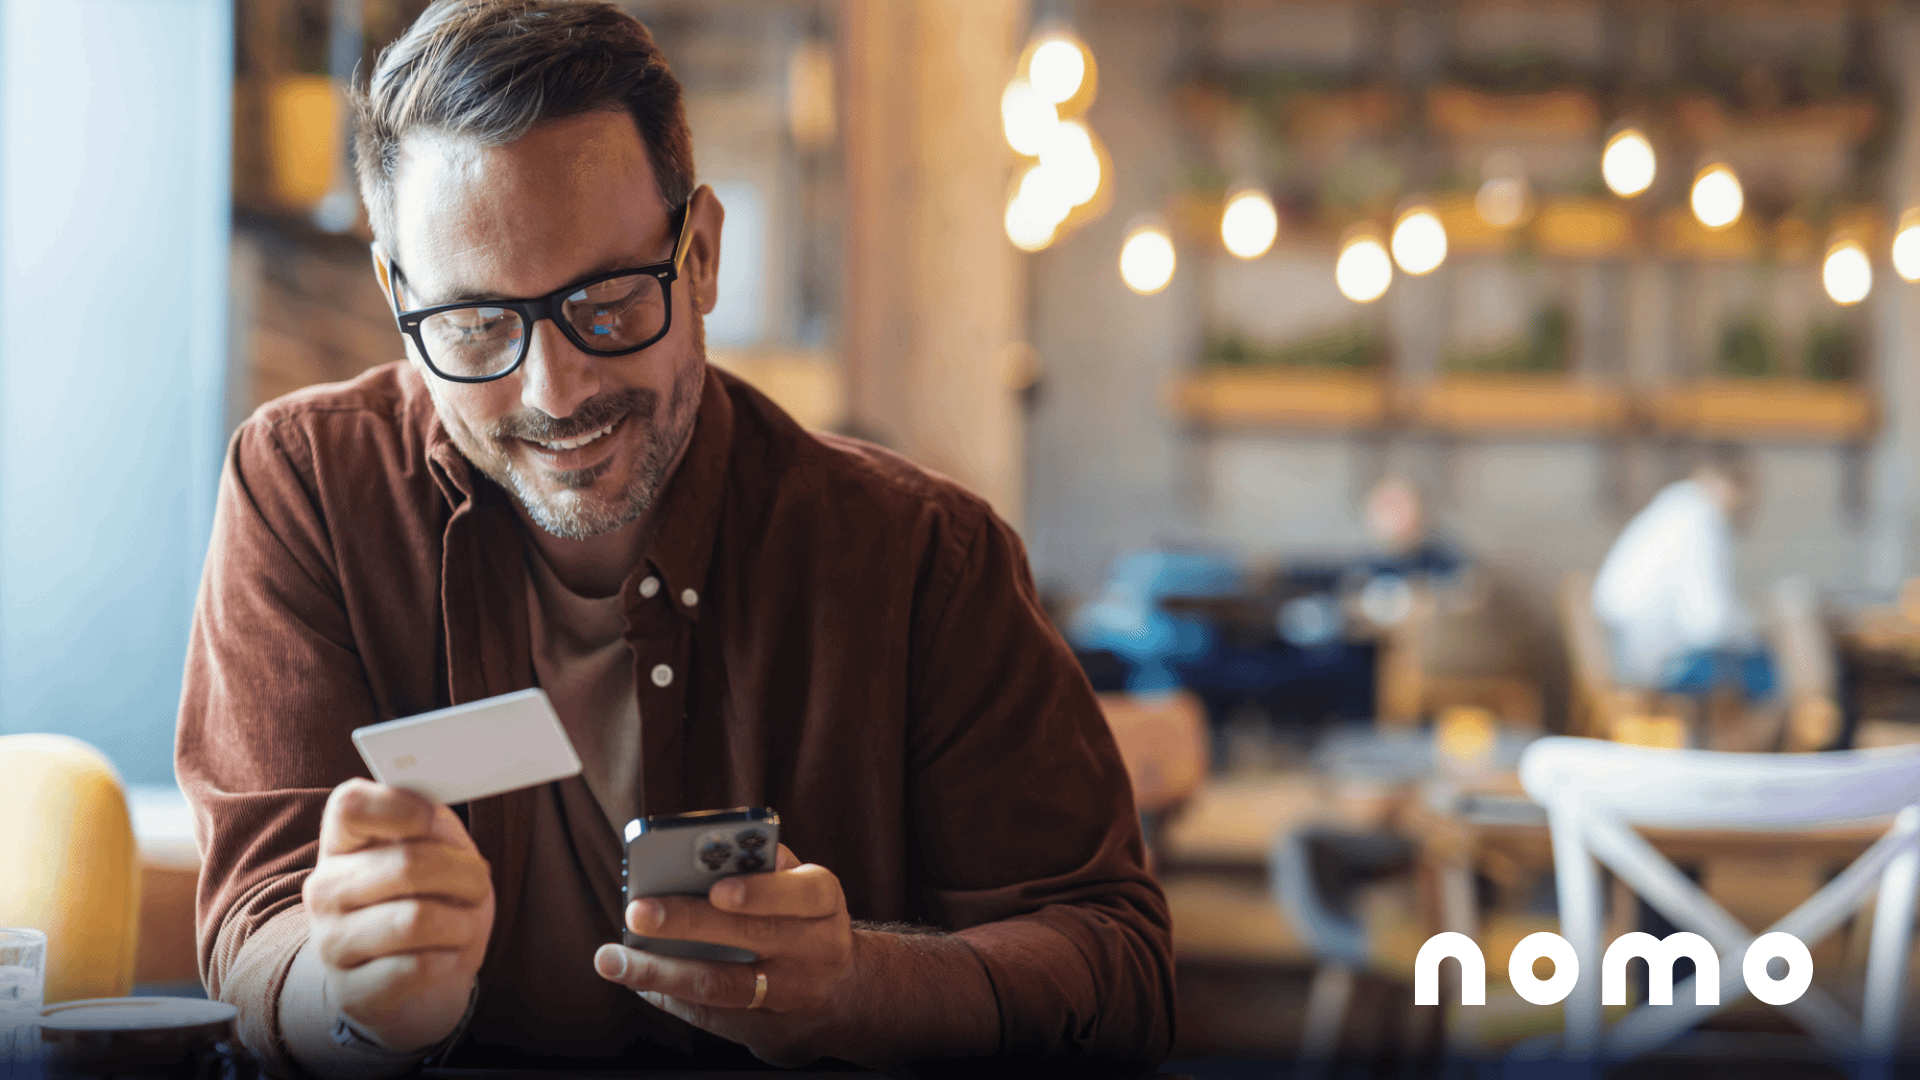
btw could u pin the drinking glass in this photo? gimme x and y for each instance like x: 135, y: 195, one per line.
x: 23, y: 977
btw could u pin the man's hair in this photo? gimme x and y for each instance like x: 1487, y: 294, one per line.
x: 491, y: 70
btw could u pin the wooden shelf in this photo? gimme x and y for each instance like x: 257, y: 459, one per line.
x: 1797, y: 409
x: 1282, y: 397
x: 1517, y: 404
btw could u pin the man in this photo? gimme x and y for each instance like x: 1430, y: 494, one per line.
x: 1668, y: 593
x: 555, y: 489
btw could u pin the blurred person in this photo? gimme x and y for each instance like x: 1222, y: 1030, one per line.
x: 1667, y: 592
x: 726, y: 610
x: 1397, y: 522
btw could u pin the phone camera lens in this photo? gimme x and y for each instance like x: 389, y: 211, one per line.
x: 747, y: 864
x: 715, y: 853
x: 751, y: 840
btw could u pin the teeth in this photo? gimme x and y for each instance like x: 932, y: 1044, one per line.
x: 575, y: 444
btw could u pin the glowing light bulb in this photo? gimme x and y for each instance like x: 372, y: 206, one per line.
x: 1628, y: 164
x: 1249, y: 224
x: 1717, y: 198
x: 1041, y: 198
x: 1070, y: 157
x: 1023, y: 230
x: 1906, y: 251
x: 1847, y: 273
x: 1363, y: 270
x: 1419, y: 241
x: 1146, y: 260
x: 1027, y: 118
x: 1502, y: 201
x: 1058, y: 66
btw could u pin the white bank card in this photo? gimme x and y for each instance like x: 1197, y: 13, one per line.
x: 471, y: 751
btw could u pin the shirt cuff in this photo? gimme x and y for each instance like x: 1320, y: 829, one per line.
x: 327, y: 1044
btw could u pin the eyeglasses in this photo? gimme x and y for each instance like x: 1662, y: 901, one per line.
x: 610, y: 314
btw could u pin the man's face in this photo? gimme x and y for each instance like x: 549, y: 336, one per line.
x: 584, y: 442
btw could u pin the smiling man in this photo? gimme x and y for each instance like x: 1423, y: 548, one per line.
x: 554, y: 489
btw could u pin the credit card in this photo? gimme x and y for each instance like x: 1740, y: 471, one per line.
x: 471, y: 751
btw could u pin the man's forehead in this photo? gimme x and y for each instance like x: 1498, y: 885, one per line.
x: 559, y: 200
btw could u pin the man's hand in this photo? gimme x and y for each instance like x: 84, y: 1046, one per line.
x: 872, y: 998
x: 401, y: 906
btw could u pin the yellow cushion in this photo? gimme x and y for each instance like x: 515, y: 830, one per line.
x: 69, y: 863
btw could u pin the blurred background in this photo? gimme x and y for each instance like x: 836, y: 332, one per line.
x: 1321, y: 351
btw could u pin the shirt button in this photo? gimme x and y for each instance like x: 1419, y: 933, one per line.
x: 662, y: 675
x: 649, y: 585
x: 689, y: 597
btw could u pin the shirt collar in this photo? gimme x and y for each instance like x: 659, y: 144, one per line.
x: 689, y: 508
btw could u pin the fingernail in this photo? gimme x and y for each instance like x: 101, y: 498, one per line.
x: 646, y: 915
x: 611, y: 961
x: 729, y: 893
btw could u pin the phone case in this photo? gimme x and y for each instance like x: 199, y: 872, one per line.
x: 684, y: 854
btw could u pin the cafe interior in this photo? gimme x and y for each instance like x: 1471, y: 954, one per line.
x: 1344, y: 366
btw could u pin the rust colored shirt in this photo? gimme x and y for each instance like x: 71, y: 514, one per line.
x: 836, y: 633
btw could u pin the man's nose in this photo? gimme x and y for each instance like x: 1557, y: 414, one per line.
x: 557, y: 376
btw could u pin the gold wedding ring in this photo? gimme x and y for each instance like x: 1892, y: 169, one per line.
x: 759, y: 990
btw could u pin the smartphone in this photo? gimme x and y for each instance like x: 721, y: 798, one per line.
x: 684, y: 854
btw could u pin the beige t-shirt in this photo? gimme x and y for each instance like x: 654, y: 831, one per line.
x: 584, y: 663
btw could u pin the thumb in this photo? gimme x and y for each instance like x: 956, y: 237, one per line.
x: 785, y: 859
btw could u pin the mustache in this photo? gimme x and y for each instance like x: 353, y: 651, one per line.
x: 592, y: 415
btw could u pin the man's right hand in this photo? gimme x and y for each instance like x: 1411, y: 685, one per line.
x: 400, y: 909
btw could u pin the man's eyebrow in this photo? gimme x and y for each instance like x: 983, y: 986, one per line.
x: 466, y: 295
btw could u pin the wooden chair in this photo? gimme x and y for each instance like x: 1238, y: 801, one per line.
x: 69, y: 865
x: 1163, y: 740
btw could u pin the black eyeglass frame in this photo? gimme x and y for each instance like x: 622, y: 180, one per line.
x: 531, y: 311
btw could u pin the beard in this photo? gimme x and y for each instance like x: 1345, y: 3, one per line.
x: 573, y: 512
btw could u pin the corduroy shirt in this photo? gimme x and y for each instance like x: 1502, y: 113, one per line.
x: 832, y: 631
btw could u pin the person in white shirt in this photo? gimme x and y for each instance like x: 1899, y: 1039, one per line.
x: 1667, y: 589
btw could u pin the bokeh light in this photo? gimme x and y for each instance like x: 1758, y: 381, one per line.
x: 1070, y: 158
x: 1419, y: 241
x: 1847, y: 273
x: 1027, y: 118
x: 1026, y: 233
x: 1363, y: 271
x: 1249, y: 224
x: 1502, y: 201
x: 1146, y: 259
x: 1628, y: 164
x: 1058, y: 67
x: 1906, y: 251
x: 1717, y: 198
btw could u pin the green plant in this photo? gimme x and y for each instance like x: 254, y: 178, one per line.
x: 1832, y: 351
x: 1350, y: 349
x: 1749, y: 349
x: 1543, y: 348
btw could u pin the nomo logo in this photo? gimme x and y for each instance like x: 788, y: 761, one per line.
x: 1659, y: 953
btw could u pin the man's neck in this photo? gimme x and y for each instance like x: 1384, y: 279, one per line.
x: 597, y: 565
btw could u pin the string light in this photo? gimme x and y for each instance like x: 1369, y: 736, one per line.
x: 1363, y: 270
x: 1419, y: 241
x: 1023, y: 230
x: 1906, y: 248
x: 1628, y: 164
x: 1847, y: 273
x: 1717, y: 198
x: 1070, y: 157
x: 1058, y: 67
x: 1249, y: 224
x: 1146, y: 259
x: 1027, y: 118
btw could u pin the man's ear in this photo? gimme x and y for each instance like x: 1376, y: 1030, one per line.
x: 381, y: 259
x: 701, y: 270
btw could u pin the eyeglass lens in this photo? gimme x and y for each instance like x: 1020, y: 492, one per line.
x: 607, y: 316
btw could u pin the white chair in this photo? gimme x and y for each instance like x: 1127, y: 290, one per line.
x: 1595, y: 791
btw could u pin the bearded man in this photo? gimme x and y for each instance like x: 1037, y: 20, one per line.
x: 554, y: 489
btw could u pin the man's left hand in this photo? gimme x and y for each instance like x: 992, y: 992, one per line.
x: 795, y: 919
